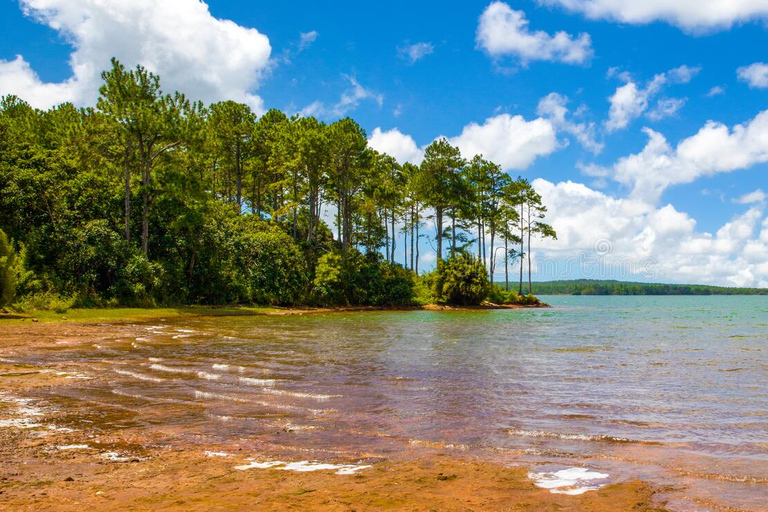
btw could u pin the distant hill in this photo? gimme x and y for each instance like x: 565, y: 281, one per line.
x: 595, y: 287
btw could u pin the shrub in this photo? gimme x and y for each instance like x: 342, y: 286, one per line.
x: 356, y: 279
x: 461, y: 280
x: 45, y: 301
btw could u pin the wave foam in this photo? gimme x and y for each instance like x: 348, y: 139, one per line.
x: 571, y: 481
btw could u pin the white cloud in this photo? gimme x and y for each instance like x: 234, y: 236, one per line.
x: 553, y: 107
x: 510, y: 141
x: 349, y: 101
x: 503, y: 31
x: 192, y: 51
x: 306, y: 39
x: 690, y: 15
x: 716, y: 91
x: 415, y: 52
x: 758, y: 196
x: 756, y: 75
x: 397, y: 145
x: 666, y: 107
x: 631, y: 101
x: 627, y: 238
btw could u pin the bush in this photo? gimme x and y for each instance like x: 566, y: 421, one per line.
x: 8, y: 270
x: 462, y: 280
x: 272, y: 267
x: 45, y: 301
x: 355, y: 279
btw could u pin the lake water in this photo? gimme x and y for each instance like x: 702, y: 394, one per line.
x: 673, y: 390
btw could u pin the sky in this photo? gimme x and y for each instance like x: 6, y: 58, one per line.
x: 644, y: 125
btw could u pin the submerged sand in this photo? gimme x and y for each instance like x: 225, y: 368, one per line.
x: 43, y: 467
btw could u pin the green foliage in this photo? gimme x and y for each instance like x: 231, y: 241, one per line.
x: 8, y: 270
x: 461, y: 280
x: 45, y: 301
x: 150, y: 199
x: 354, y: 279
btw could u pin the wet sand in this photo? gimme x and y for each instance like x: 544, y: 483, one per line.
x: 45, y: 467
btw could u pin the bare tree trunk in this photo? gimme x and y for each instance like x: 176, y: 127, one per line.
x: 530, y: 287
x: 394, y: 236
x: 145, y: 212
x: 522, y: 248
x: 417, y: 244
x: 127, y: 165
x: 439, y: 228
x: 506, y: 263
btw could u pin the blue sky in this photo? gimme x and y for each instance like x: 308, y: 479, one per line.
x: 478, y: 61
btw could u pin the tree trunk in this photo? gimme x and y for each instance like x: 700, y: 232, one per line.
x: 522, y: 248
x: 127, y: 165
x: 439, y: 228
x: 417, y: 244
x: 394, y: 236
x: 506, y: 263
x: 145, y: 212
x: 530, y: 287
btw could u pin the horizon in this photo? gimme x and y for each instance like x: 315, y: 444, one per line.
x: 631, y: 145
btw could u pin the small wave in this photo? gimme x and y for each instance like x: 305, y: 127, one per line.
x: 139, y: 376
x: 250, y: 381
x: 163, y: 368
x: 281, y: 392
x: 569, y: 437
x: 222, y: 367
x: 218, y: 396
x: 208, y: 376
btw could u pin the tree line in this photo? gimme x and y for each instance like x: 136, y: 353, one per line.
x: 597, y: 287
x: 152, y: 198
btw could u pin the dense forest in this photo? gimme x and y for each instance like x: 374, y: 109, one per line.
x: 597, y: 287
x: 150, y: 198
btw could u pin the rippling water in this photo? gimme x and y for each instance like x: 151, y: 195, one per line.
x: 668, y: 389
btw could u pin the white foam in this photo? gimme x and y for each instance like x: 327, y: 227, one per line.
x: 208, y: 376
x: 280, y: 392
x: 566, y: 437
x: 154, y: 359
x: 249, y: 381
x: 139, y: 376
x: 114, y: 457
x: 216, y: 454
x: 571, y: 481
x: 220, y: 366
x: 305, y: 466
x: 163, y: 368
x: 74, y: 447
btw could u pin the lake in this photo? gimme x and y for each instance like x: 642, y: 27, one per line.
x: 672, y: 390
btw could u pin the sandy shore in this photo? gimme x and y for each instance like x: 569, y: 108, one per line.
x: 59, y: 470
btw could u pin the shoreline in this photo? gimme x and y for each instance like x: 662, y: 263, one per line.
x: 118, y: 315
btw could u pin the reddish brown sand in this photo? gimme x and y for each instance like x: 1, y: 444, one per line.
x: 34, y: 475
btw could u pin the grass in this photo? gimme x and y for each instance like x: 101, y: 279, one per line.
x: 133, y: 314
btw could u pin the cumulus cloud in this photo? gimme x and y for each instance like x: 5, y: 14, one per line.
x: 502, y: 31
x: 628, y: 238
x: 415, y: 52
x: 207, y: 58
x: 350, y: 99
x: 397, y: 145
x: 510, y: 141
x: 690, y: 15
x: 631, y: 101
x: 715, y: 149
x: 553, y: 107
x: 756, y: 75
